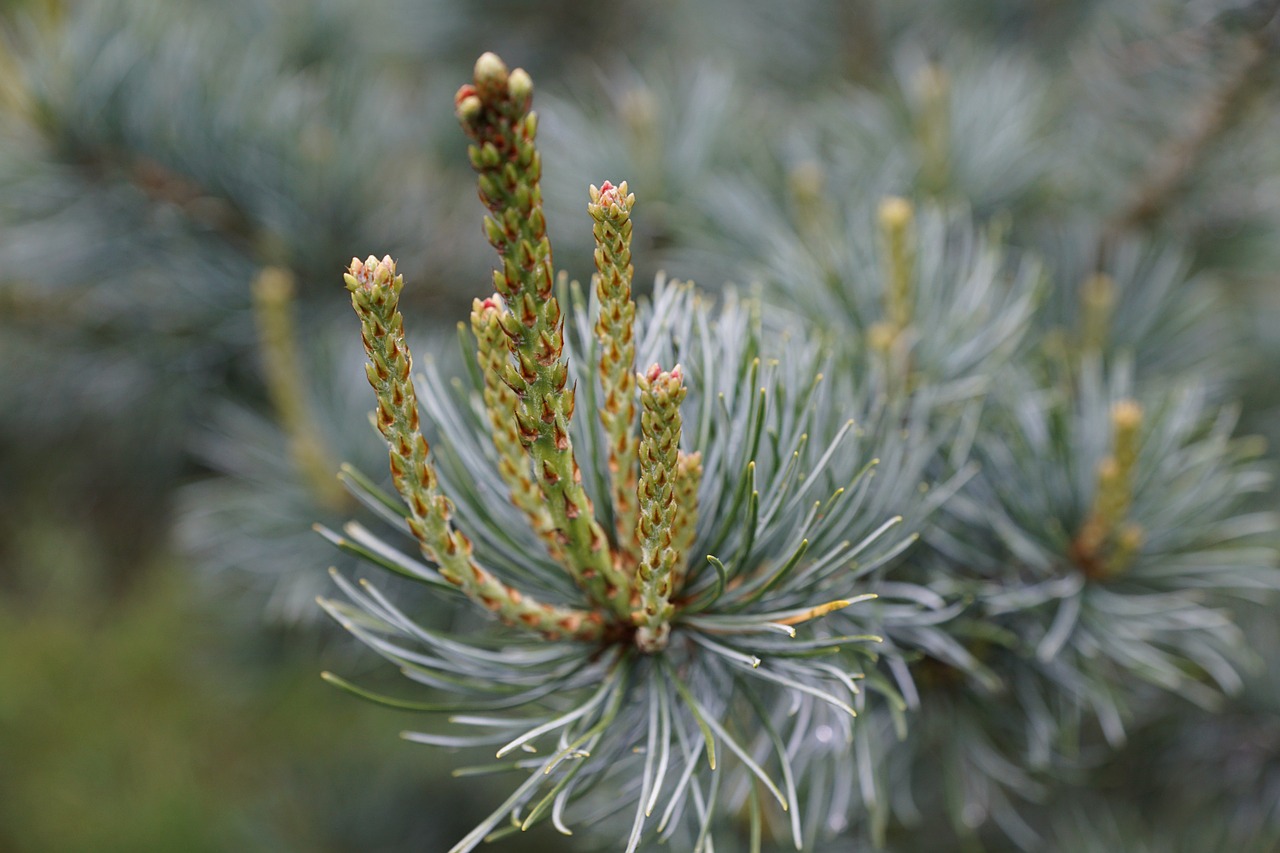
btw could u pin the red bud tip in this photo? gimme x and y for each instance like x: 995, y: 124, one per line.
x: 610, y: 195
x: 466, y: 91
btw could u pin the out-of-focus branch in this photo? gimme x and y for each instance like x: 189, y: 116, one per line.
x: 1172, y: 167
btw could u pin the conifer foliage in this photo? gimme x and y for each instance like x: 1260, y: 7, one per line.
x: 710, y: 614
x: 944, y: 528
x: 682, y: 634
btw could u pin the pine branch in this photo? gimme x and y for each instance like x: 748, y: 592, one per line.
x: 661, y: 393
x: 1174, y: 166
x: 1107, y: 526
x: 494, y: 111
x: 375, y: 295
x: 684, y: 527
x: 500, y: 401
x: 273, y: 302
x: 611, y: 208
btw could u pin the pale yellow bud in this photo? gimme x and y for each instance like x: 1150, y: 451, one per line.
x: 895, y: 214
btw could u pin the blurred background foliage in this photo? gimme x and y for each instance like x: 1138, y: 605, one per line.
x: 158, y: 646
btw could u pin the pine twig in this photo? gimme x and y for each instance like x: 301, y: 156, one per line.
x: 375, y: 294
x: 661, y: 393
x: 610, y: 207
x: 500, y: 402
x: 494, y: 112
x: 273, y: 291
x: 1171, y: 169
x: 685, y: 525
x: 1107, y: 541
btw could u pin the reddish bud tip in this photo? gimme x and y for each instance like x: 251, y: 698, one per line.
x: 465, y: 91
x: 372, y: 272
x: 611, y: 195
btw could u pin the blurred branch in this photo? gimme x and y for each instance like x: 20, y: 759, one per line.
x: 1172, y: 167
x: 273, y: 293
